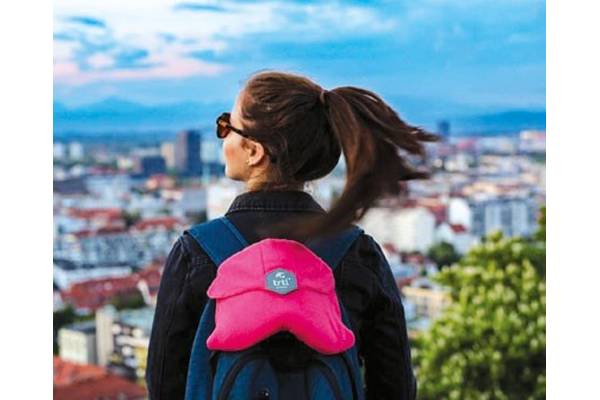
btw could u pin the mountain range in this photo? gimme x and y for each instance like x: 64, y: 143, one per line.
x: 114, y: 115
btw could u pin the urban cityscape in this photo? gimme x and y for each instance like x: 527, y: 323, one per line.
x: 119, y: 207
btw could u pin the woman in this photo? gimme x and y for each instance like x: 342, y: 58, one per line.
x: 284, y: 131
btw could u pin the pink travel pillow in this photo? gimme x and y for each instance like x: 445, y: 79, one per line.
x: 276, y: 285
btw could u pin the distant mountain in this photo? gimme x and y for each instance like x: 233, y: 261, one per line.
x: 502, y: 122
x: 117, y: 115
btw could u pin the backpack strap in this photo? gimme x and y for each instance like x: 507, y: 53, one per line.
x: 332, y: 249
x: 218, y: 238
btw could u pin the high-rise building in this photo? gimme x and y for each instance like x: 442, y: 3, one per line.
x: 187, y: 153
x: 443, y: 129
x: 167, y: 150
x: 151, y: 165
x: 511, y: 215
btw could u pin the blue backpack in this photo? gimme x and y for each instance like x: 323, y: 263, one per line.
x: 280, y: 367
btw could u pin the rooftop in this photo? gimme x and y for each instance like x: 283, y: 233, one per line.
x: 89, y: 382
x: 95, y: 293
x: 140, y: 318
x: 84, y: 327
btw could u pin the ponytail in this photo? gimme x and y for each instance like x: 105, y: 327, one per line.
x: 371, y: 136
x: 369, y: 133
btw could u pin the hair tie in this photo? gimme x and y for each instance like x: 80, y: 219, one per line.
x: 322, y: 96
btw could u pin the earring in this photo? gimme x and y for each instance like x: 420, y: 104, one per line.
x: 248, y: 162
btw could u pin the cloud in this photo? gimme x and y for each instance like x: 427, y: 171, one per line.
x: 88, y: 21
x: 132, y: 58
x: 71, y: 74
x: 132, y: 35
x: 435, y: 47
x: 100, y: 61
x: 197, y: 7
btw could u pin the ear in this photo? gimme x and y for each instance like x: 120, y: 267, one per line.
x: 255, y: 152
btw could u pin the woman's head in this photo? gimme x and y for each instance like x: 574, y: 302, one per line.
x: 295, y: 131
x: 280, y: 117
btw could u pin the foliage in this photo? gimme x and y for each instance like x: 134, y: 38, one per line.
x: 130, y: 217
x: 128, y: 301
x: 490, y: 342
x: 540, y: 234
x: 443, y: 254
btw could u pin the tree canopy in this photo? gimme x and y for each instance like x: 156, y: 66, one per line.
x: 490, y: 342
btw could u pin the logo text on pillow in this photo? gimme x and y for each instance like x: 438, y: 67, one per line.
x: 281, y: 281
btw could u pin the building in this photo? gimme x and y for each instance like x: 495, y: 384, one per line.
x: 459, y: 212
x: 123, y: 339
x: 408, y: 229
x: 77, y: 342
x: 159, y: 182
x: 167, y: 151
x: 76, y: 152
x: 532, y: 142
x: 429, y: 301
x: 212, y: 165
x: 59, y: 151
x: 109, y: 189
x: 105, y: 316
x: 511, y: 215
x: 76, y: 219
x: 443, y: 129
x: 103, y: 246
x: 67, y: 272
x: 219, y: 197
x: 70, y: 186
x: 90, y: 295
x: 154, y: 237
x: 57, y: 303
x: 187, y: 153
x: 152, y: 165
x: 455, y: 234
x: 191, y: 201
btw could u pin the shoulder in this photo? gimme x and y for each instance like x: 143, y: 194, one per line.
x: 363, y: 262
x: 367, y: 260
x: 186, y: 247
x: 366, y: 251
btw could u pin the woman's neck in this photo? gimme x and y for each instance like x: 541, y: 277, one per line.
x: 254, y: 185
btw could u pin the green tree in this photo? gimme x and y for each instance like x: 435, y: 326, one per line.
x: 443, y: 254
x: 130, y: 217
x: 490, y: 342
x: 540, y: 234
x: 128, y: 301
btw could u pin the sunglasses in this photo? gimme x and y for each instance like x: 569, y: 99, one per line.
x: 224, y: 127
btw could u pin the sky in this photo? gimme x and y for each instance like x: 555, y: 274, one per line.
x: 451, y: 55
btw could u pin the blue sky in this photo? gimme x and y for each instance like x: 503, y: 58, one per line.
x: 429, y: 55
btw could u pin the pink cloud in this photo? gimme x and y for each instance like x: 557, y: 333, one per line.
x: 69, y: 73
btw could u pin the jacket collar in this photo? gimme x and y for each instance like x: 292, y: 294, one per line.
x: 274, y: 200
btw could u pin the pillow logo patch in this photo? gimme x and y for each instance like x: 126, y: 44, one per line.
x: 281, y: 281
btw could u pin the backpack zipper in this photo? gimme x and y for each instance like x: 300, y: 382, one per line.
x: 246, y: 358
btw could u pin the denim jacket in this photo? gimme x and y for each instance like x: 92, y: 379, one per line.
x: 363, y: 279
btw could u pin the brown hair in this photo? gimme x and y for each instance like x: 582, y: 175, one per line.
x: 307, y: 128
